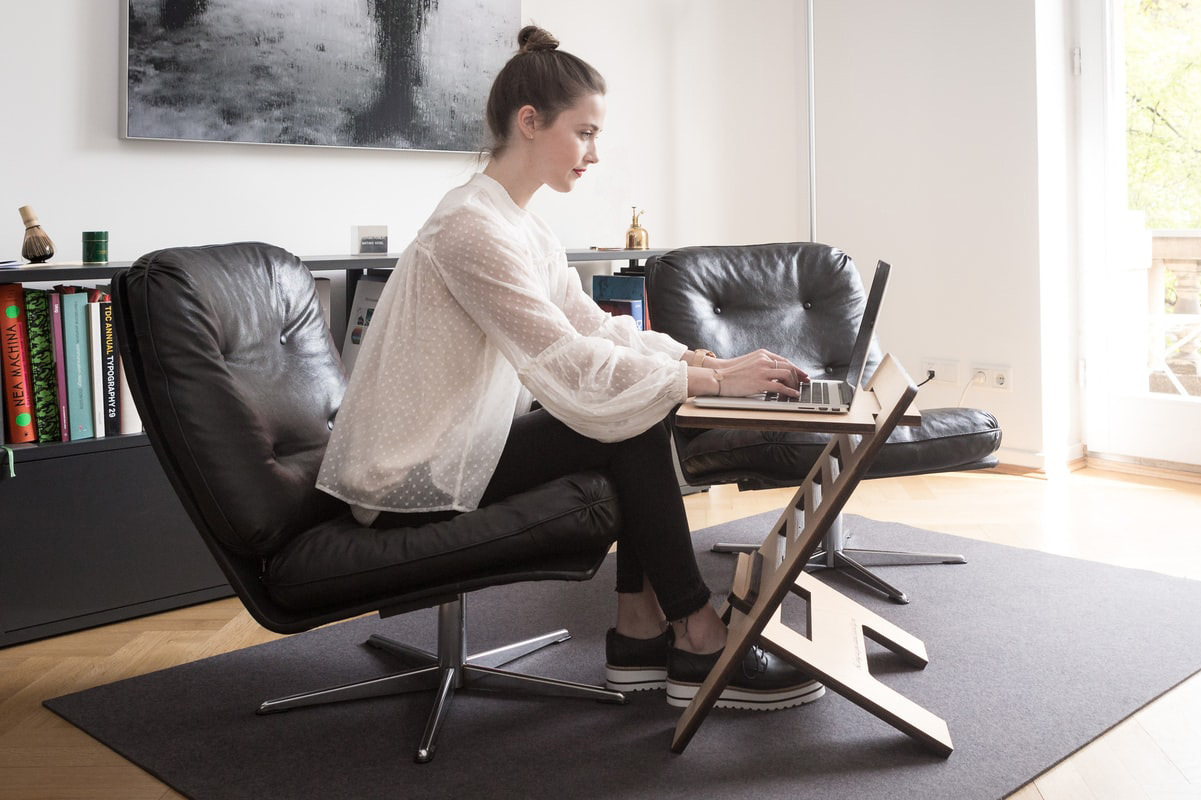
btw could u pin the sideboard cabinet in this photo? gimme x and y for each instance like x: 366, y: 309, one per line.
x: 91, y: 531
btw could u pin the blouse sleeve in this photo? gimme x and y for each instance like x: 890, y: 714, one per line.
x: 605, y: 387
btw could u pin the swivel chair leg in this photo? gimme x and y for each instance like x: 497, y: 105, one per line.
x: 853, y: 569
x: 477, y: 677
x: 511, y: 652
x: 413, y: 680
x: 442, y: 701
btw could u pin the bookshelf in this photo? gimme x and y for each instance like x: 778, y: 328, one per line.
x: 91, y: 530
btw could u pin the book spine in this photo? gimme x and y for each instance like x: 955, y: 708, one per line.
x: 41, y: 361
x: 623, y: 287
x: 96, y: 366
x: 14, y: 360
x: 60, y: 364
x: 79, y: 372
x: 366, y: 296
x: 111, y: 391
x: 629, y: 308
x: 131, y: 420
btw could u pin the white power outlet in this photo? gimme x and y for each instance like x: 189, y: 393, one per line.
x: 1001, y: 378
x: 995, y: 377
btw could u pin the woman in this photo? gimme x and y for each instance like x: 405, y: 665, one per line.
x: 483, y: 313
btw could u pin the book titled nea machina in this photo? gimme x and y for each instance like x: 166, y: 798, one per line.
x: 17, y: 377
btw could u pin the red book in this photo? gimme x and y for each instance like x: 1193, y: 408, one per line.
x: 14, y: 360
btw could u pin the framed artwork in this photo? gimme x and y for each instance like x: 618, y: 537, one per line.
x: 411, y: 74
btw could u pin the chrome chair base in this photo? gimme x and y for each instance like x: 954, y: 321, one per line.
x: 833, y: 554
x: 446, y: 672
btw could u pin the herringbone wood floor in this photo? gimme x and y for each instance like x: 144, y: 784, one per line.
x: 1144, y: 522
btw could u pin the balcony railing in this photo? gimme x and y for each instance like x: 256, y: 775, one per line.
x: 1175, y: 276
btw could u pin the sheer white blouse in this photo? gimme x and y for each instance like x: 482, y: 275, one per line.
x: 481, y: 315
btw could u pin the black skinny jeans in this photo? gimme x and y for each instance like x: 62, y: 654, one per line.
x: 654, y: 539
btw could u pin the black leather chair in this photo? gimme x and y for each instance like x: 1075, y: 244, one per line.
x: 237, y: 381
x: 804, y: 301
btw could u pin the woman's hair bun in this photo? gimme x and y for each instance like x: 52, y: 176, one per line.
x: 532, y: 38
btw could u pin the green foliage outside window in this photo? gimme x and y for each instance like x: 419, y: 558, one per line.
x: 1163, y: 111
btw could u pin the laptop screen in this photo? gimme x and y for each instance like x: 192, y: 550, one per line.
x: 871, y: 311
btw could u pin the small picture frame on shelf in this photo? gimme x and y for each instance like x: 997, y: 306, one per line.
x: 372, y: 238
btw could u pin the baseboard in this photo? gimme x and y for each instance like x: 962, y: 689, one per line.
x: 1165, y: 470
x: 1169, y: 471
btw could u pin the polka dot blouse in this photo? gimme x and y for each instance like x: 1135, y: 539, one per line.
x: 480, y: 316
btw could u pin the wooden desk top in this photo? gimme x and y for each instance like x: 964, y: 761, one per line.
x: 861, y: 419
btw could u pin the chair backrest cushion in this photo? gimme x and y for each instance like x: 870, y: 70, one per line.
x: 801, y: 300
x: 240, y: 380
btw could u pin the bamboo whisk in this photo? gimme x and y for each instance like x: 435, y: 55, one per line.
x: 37, y: 246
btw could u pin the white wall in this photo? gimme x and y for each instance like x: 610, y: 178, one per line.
x: 929, y: 156
x: 63, y: 155
x: 928, y: 151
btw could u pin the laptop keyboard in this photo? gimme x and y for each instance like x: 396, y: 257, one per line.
x: 813, y: 392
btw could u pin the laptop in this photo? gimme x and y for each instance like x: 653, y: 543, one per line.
x: 821, y: 396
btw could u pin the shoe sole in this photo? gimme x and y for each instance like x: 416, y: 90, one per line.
x: 634, y: 679
x: 680, y: 694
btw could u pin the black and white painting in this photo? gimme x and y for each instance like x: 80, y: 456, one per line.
x: 410, y: 74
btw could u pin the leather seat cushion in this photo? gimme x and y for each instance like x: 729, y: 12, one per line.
x: 564, y: 525
x: 948, y: 439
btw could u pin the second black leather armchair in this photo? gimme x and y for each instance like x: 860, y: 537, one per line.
x: 802, y: 300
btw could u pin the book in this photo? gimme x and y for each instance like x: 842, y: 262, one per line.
x: 41, y: 361
x: 366, y: 295
x: 622, y: 287
x: 131, y: 420
x: 78, y: 363
x: 94, y: 357
x: 325, y: 290
x: 17, y: 380
x: 60, y: 364
x: 110, y: 390
x: 630, y: 308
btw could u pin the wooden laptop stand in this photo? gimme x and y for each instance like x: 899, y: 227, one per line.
x: 763, y: 579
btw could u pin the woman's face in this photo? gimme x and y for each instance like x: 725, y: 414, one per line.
x: 567, y: 147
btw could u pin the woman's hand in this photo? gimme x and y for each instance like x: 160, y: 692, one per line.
x: 758, y: 371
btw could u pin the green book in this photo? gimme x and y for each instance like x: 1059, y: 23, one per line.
x: 79, y: 369
x: 41, y: 359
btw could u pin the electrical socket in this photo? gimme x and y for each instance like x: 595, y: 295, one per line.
x: 995, y: 376
x: 945, y: 371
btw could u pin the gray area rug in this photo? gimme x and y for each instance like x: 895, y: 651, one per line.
x: 1031, y: 657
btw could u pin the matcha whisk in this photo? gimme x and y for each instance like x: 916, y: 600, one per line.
x: 37, y: 246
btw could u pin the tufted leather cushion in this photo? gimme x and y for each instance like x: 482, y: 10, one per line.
x: 804, y: 301
x: 948, y: 439
x: 338, y: 561
x: 246, y: 383
x: 238, y: 381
